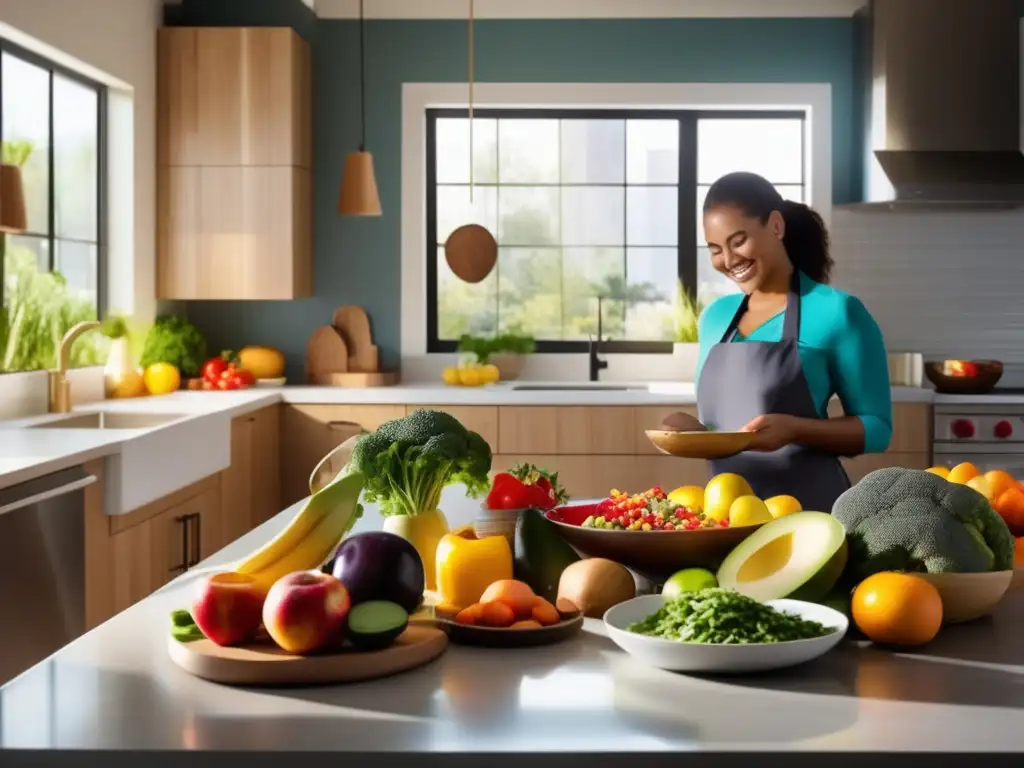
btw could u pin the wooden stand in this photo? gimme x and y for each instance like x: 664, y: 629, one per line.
x: 343, y: 354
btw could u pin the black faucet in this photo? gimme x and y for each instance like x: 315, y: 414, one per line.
x: 596, y: 363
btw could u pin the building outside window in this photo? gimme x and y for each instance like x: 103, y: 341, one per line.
x: 51, y: 125
x: 588, y: 203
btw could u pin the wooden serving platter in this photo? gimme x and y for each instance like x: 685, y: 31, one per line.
x: 263, y: 663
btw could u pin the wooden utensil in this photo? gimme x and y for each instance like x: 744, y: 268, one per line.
x: 353, y: 324
x: 471, y: 252
x: 326, y: 352
x: 263, y: 663
x: 354, y: 379
x: 699, y: 445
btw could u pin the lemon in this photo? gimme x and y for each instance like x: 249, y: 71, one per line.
x: 490, y: 373
x: 780, y: 506
x: 470, y: 377
x: 450, y: 375
x: 942, y: 472
x: 982, y: 486
x: 689, y: 496
x: 721, y: 492
x: 748, y: 510
x: 161, y: 379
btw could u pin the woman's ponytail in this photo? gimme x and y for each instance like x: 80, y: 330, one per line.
x: 806, y: 239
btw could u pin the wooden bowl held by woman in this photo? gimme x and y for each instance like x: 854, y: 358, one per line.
x: 968, y: 596
x: 964, y: 377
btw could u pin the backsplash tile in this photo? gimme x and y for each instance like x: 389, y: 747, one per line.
x: 946, y: 284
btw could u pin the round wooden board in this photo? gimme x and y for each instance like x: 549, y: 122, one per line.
x: 471, y: 252
x: 266, y: 664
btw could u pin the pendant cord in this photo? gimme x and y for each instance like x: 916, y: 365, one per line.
x: 362, y: 78
x: 471, y: 46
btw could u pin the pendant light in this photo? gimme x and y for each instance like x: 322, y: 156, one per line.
x: 13, y: 218
x: 471, y: 251
x: 359, y: 196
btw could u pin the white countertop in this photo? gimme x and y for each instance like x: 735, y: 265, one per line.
x: 199, y: 443
x: 584, y: 702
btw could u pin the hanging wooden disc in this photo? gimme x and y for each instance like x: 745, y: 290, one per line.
x: 471, y: 252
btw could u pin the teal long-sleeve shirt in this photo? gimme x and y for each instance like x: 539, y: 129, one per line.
x: 841, y: 349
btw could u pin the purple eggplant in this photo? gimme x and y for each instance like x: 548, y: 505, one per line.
x: 380, y: 566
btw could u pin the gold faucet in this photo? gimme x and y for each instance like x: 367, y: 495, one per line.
x: 60, y: 387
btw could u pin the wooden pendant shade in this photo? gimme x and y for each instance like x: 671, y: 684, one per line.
x: 471, y: 252
x: 13, y: 218
x: 359, y: 196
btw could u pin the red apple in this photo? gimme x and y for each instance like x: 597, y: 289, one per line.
x: 228, y: 608
x: 305, y: 610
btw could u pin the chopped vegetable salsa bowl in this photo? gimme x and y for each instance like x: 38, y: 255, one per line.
x: 654, y: 551
x: 720, y: 631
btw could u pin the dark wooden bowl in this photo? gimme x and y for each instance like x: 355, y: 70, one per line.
x: 989, y: 373
x: 654, y: 554
x: 500, y: 637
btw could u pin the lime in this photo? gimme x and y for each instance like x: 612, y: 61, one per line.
x: 688, y: 580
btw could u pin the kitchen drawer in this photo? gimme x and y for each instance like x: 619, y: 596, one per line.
x: 530, y: 429
x: 310, y: 432
x: 482, y: 419
x: 567, y: 431
x: 650, y: 417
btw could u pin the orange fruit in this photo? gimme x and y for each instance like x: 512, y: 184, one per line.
x: 470, y: 615
x: 526, y: 624
x: 999, y: 480
x: 961, y: 473
x: 545, y: 613
x: 1018, y: 553
x: 517, y: 595
x: 897, y: 609
x: 496, y: 615
x: 980, y: 484
x: 1010, y: 506
x: 942, y: 472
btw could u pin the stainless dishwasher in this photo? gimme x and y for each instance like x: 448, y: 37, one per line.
x: 42, y: 567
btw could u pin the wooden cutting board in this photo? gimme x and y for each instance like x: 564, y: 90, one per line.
x: 326, y: 352
x: 264, y: 663
x: 353, y: 324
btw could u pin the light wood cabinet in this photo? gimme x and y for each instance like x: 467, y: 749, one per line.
x: 251, y: 487
x: 234, y: 179
x: 234, y: 233
x: 233, y: 96
x: 310, y: 432
x: 482, y: 419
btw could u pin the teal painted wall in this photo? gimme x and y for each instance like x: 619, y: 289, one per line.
x: 357, y: 260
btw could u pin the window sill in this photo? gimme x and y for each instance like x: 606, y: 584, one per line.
x: 26, y: 393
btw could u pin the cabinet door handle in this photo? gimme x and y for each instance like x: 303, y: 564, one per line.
x: 336, y: 425
x: 197, y: 539
x: 183, y: 566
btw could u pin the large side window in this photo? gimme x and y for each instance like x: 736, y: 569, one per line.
x: 587, y: 204
x: 51, y: 125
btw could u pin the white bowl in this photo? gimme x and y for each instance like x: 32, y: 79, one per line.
x: 709, y: 657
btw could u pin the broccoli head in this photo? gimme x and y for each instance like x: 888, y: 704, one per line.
x: 907, y: 520
x: 408, y: 461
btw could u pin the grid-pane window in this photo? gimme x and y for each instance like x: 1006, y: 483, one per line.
x: 587, y: 204
x: 51, y: 127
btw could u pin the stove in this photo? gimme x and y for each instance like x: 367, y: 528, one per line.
x: 990, y: 435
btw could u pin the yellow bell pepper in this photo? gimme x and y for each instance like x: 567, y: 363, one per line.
x: 466, y: 565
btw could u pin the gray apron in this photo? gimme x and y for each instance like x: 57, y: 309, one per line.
x: 743, y: 380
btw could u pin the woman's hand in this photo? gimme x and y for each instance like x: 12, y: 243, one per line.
x: 772, y: 431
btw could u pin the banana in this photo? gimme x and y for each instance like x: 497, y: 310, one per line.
x: 311, y: 536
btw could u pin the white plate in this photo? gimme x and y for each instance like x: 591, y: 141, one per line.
x: 707, y: 657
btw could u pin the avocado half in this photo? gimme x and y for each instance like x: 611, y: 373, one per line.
x: 800, y: 556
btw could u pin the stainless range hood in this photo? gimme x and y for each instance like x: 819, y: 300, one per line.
x: 942, y: 81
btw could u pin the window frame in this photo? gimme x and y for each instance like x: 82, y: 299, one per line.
x: 101, y: 243
x: 687, y: 186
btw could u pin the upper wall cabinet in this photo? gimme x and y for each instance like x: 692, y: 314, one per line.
x: 234, y: 185
x: 234, y: 96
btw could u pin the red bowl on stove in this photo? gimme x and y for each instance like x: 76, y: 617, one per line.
x: 650, y: 553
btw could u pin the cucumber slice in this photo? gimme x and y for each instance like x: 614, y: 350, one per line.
x: 376, y: 624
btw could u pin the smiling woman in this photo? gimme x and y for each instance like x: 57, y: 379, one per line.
x: 52, y: 129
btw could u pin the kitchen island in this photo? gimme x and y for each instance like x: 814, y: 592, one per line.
x: 115, y: 690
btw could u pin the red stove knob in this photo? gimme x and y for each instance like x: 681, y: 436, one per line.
x: 1003, y: 429
x: 962, y: 428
